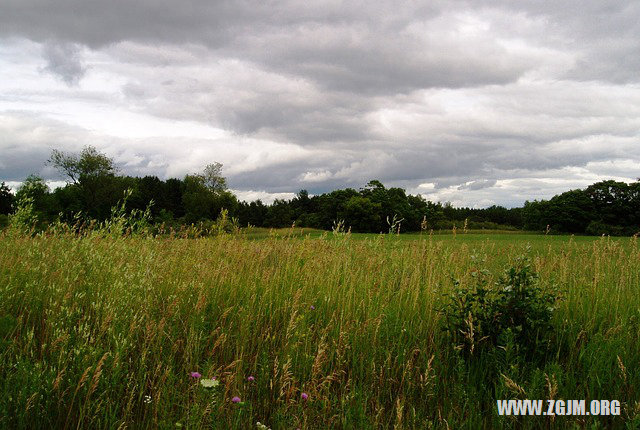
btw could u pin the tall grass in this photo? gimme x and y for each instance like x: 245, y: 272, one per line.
x: 103, y: 332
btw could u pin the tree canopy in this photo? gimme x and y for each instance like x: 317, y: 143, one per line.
x: 90, y: 163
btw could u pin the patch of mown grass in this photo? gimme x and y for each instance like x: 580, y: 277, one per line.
x: 104, y: 332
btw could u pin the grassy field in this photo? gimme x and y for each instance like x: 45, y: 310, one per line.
x: 306, y: 331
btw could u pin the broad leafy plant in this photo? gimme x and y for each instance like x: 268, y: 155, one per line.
x: 512, y: 312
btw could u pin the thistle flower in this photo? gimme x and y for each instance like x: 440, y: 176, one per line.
x: 251, y: 379
x: 304, y: 396
x: 236, y: 399
x: 195, y: 375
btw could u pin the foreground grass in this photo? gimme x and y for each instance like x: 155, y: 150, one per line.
x: 103, y: 333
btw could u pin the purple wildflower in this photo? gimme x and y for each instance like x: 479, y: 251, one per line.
x: 304, y: 396
x: 313, y: 308
x: 236, y: 399
x: 251, y: 379
x: 195, y: 375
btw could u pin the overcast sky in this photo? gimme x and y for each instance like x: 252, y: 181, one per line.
x: 456, y: 100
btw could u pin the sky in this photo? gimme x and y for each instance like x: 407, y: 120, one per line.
x: 471, y: 102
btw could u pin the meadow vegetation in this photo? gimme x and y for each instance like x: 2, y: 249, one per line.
x: 315, y: 331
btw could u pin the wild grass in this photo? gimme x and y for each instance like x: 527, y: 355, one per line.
x: 104, y: 332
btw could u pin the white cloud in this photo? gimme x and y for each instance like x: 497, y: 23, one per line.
x: 264, y: 196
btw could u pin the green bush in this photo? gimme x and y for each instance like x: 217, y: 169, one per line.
x: 25, y: 218
x: 599, y: 228
x: 512, y: 313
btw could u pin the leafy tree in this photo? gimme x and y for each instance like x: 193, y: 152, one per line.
x: 254, y: 213
x: 213, y: 179
x: 203, y: 202
x: 330, y: 205
x: 279, y: 214
x: 70, y: 202
x: 89, y: 163
x: 634, y: 204
x: 569, y: 212
x: 612, y: 201
x: 197, y: 199
x: 33, y: 202
x: 361, y: 214
x: 94, y: 176
x: 24, y: 217
x: 33, y: 187
x: 6, y: 199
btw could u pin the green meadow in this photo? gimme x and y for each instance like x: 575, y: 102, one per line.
x: 303, y: 329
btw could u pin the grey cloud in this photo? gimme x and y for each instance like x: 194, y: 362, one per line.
x: 249, y: 99
x: 97, y: 23
x: 253, y: 101
x: 366, y: 60
x: 18, y: 161
x: 64, y: 60
x: 478, y: 185
x: 352, y: 48
x: 26, y: 141
x: 616, y: 61
x: 601, y: 33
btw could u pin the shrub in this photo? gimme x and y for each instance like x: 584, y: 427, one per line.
x: 225, y: 224
x: 24, y: 219
x: 514, y: 312
x: 599, y: 228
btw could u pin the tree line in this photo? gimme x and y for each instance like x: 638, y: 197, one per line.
x: 95, y: 187
x: 606, y: 207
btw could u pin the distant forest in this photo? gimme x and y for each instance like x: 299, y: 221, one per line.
x: 95, y: 187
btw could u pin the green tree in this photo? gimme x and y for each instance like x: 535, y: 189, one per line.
x: 93, y: 173
x: 212, y: 177
x: 89, y: 163
x: 570, y: 212
x: 35, y: 189
x: 279, y: 214
x: 361, y: 214
x: 32, y: 203
x: 612, y: 202
x: 197, y: 199
x: 6, y: 199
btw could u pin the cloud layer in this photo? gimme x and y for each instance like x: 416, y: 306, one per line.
x: 459, y: 101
